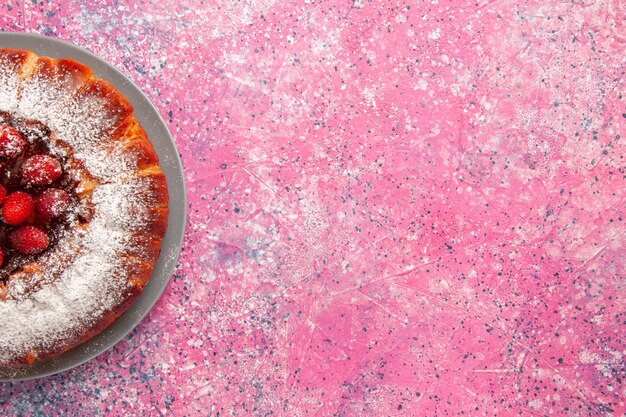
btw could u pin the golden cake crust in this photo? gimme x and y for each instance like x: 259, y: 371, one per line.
x: 119, y: 179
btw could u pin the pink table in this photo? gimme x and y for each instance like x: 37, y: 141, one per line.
x: 395, y: 209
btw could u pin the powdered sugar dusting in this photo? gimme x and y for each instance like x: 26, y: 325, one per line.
x: 80, y: 119
x: 8, y: 85
x: 43, y: 97
x: 85, y: 265
x: 120, y: 205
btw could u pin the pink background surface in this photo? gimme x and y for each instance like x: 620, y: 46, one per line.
x: 409, y: 209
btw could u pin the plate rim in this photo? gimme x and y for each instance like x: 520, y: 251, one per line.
x: 177, y: 216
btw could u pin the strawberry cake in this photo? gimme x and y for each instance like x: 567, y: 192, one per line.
x: 83, y: 206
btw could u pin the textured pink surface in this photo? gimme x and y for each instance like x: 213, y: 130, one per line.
x: 394, y: 209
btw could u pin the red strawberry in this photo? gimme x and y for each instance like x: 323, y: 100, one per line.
x: 18, y: 207
x: 41, y: 170
x: 11, y: 142
x: 52, y: 203
x: 29, y: 240
x: 3, y: 194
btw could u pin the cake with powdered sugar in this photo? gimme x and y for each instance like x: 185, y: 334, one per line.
x: 83, y: 206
